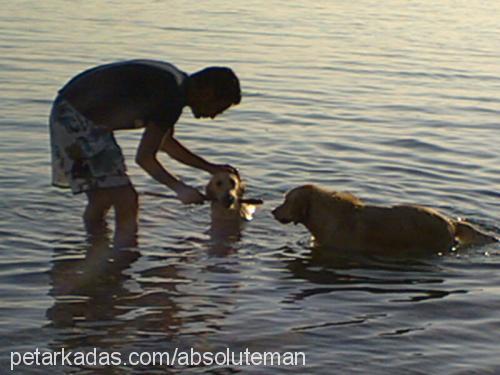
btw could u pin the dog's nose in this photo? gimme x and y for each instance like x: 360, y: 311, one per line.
x: 273, y: 212
x: 229, y: 200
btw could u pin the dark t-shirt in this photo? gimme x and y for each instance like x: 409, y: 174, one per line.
x: 129, y: 94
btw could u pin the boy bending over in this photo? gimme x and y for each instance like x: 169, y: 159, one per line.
x: 129, y: 95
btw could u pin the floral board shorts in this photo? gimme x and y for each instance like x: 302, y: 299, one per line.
x: 84, y: 156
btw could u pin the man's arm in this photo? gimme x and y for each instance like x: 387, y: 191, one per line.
x: 180, y: 153
x: 146, y: 159
x: 177, y: 151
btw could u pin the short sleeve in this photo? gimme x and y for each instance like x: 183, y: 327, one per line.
x: 166, y: 103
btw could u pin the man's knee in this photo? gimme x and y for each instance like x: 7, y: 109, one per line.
x: 98, y: 205
x: 125, y: 201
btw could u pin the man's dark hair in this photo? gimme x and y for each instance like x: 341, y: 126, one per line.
x: 222, y: 80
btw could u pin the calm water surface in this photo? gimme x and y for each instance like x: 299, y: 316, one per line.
x: 395, y: 101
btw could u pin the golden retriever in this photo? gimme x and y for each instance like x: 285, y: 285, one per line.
x: 228, y: 207
x: 341, y: 220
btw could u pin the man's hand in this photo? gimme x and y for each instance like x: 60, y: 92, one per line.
x: 187, y: 194
x: 216, y: 168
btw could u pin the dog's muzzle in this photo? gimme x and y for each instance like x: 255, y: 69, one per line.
x: 282, y: 220
x: 228, y: 200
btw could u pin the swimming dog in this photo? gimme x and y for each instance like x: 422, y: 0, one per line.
x: 341, y: 220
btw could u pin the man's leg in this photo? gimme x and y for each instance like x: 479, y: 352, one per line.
x: 126, y: 204
x: 99, y: 203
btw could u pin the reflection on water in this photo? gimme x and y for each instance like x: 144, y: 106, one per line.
x: 88, y: 286
x: 332, y: 271
x: 100, y: 303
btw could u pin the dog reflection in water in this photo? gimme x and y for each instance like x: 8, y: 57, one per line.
x: 229, y: 209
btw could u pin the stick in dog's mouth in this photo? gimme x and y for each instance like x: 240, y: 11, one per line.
x: 255, y: 201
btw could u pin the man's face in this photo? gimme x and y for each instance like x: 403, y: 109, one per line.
x: 209, y: 106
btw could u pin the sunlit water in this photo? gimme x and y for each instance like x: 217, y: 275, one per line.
x: 394, y: 101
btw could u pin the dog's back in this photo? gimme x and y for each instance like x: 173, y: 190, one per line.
x: 405, y: 227
x: 348, y: 223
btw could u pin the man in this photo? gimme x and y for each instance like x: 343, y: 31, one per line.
x: 129, y: 95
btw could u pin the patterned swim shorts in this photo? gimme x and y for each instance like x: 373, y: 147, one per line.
x: 84, y: 156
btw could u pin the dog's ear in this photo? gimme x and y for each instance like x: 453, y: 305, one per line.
x: 300, y: 203
x: 303, y: 213
x: 209, y: 192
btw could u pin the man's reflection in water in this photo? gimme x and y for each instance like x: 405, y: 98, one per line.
x: 101, y: 302
x: 97, y: 304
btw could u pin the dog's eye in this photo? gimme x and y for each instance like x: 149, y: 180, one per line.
x: 218, y: 183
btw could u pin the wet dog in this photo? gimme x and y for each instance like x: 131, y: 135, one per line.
x: 341, y: 220
x: 229, y: 210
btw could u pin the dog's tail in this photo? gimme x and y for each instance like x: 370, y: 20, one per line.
x: 468, y: 234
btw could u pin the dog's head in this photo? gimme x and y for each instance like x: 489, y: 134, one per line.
x: 225, y: 188
x: 295, y: 208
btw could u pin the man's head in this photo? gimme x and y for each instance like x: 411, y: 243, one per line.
x: 212, y: 90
